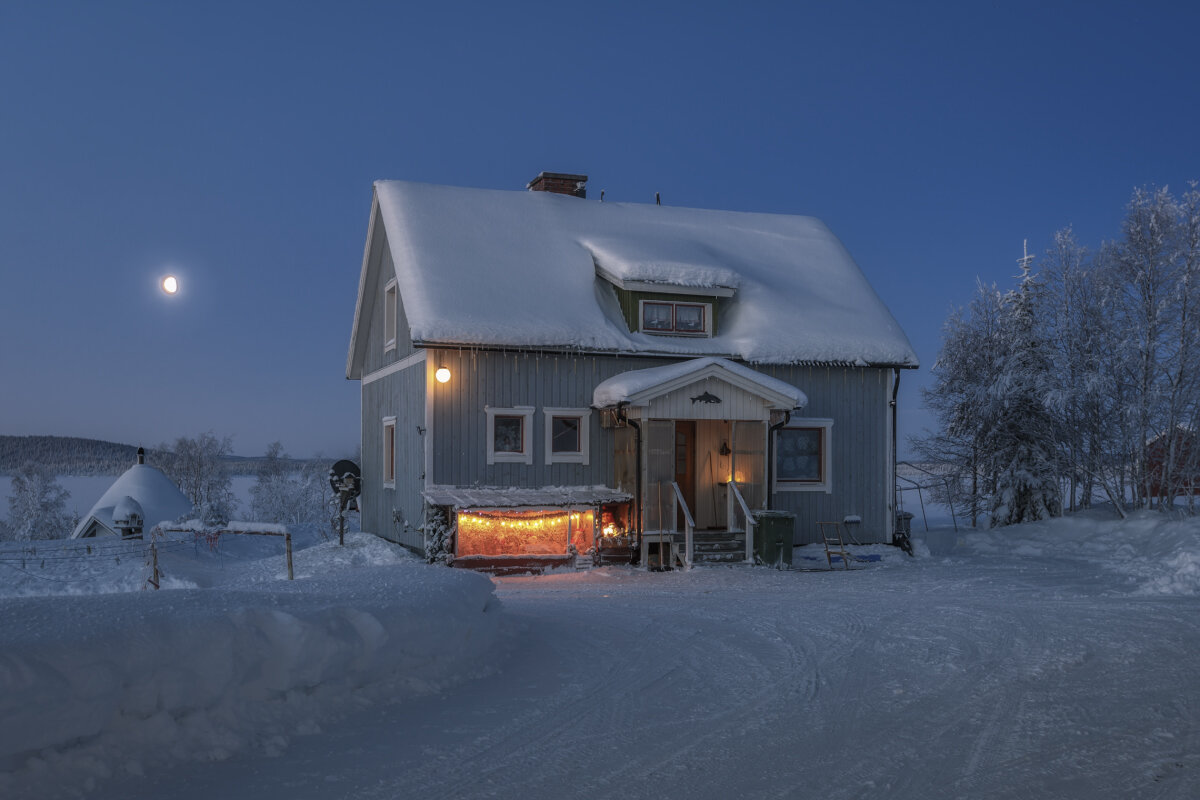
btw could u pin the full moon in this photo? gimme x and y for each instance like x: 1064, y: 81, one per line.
x: 170, y: 285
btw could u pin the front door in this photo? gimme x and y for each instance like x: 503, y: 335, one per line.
x: 685, y: 465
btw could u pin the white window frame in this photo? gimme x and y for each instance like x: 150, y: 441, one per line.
x: 579, y: 456
x: 526, y: 454
x: 826, y: 483
x: 391, y: 315
x: 707, y: 332
x: 389, y: 438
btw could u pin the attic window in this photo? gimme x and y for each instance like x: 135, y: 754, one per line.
x: 390, y: 309
x: 678, y: 319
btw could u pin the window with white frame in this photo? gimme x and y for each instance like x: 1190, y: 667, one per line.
x: 676, y: 318
x: 567, y: 435
x: 510, y: 435
x: 389, y: 452
x: 391, y: 308
x: 803, y: 461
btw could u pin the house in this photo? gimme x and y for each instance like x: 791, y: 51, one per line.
x: 138, y: 500
x: 552, y: 374
x: 1181, y: 451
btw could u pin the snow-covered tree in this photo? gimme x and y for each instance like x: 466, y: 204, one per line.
x: 290, y: 496
x: 969, y: 362
x: 1024, y: 428
x: 37, y: 507
x: 1084, y: 383
x: 197, y: 466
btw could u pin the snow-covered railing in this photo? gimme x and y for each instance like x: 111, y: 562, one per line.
x: 689, y: 524
x: 733, y: 501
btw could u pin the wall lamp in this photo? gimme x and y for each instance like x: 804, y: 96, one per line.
x: 442, y: 374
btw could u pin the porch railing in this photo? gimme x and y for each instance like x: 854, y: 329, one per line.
x: 735, y: 503
x: 689, y: 524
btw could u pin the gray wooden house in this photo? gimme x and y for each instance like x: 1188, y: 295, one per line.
x: 554, y: 375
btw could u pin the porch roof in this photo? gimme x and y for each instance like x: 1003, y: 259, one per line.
x: 522, y: 497
x: 639, y: 386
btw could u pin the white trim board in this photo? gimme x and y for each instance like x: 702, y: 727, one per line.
x: 395, y: 366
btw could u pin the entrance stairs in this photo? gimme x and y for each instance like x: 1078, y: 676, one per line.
x: 718, y: 547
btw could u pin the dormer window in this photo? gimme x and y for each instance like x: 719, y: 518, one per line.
x: 676, y: 318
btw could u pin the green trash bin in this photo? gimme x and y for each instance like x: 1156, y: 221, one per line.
x: 773, y: 532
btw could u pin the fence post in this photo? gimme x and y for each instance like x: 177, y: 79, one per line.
x: 287, y: 541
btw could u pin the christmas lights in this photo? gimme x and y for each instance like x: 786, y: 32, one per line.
x: 541, y: 532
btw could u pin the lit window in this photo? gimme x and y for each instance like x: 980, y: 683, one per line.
x: 802, y: 456
x: 389, y: 452
x: 390, y: 312
x: 510, y: 435
x: 567, y: 435
x: 686, y: 319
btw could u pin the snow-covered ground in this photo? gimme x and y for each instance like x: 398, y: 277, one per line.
x: 1050, y: 660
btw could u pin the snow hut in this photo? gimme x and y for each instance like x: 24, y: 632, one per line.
x: 137, y: 501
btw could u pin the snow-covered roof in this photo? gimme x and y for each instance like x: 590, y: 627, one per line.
x: 537, y: 269
x: 159, y: 497
x: 639, y: 384
x: 517, y: 497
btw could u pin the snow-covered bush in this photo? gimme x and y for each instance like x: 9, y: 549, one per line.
x: 290, y: 496
x: 37, y: 507
x: 439, y: 537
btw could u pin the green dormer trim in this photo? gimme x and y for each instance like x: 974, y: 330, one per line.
x: 632, y: 303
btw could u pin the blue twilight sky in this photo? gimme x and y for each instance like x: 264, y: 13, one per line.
x: 235, y: 144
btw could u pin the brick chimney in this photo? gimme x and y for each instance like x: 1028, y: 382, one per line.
x: 559, y: 183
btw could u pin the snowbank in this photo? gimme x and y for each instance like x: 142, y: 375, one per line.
x: 1157, y: 554
x: 100, y: 684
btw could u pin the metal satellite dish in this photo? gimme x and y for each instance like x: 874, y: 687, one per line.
x: 346, y: 479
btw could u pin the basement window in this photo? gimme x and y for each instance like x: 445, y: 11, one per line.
x: 676, y: 319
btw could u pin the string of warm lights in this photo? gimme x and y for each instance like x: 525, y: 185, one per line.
x: 495, y: 533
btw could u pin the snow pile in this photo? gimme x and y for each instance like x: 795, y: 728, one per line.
x: 1158, y: 554
x: 104, y: 684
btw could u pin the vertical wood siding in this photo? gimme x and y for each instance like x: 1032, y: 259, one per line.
x: 855, y: 398
x: 395, y: 513
x: 382, y: 267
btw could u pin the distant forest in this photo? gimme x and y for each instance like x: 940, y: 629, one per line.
x: 70, y: 455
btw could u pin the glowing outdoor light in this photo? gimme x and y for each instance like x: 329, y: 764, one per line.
x: 442, y: 374
x: 170, y: 284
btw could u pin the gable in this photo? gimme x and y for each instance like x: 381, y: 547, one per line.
x: 367, y: 352
x: 703, y: 388
x: 709, y: 398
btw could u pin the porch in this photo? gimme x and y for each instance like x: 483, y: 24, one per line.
x: 692, y: 442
